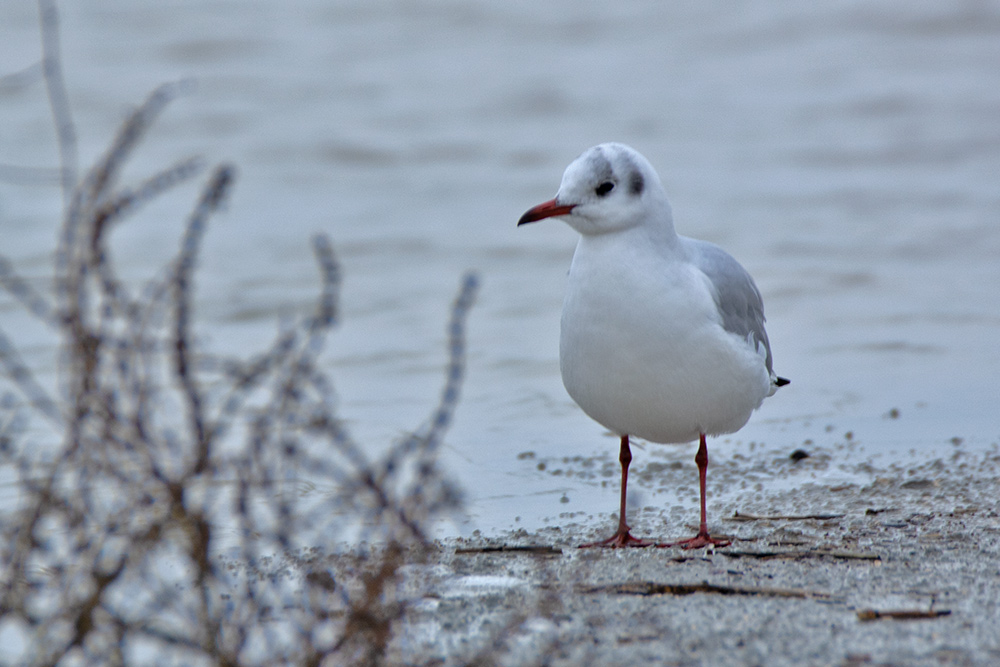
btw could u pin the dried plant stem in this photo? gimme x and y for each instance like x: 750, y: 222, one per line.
x: 160, y: 453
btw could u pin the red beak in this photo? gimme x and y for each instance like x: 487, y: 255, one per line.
x: 549, y: 209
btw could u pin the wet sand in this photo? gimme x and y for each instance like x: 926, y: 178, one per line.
x: 901, y: 570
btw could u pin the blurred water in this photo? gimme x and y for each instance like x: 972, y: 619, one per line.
x: 846, y: 152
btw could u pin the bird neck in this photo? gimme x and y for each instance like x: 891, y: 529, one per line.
x: 656, y: 231
x: 644, y: 240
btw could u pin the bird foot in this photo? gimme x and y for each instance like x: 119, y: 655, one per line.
x: 619, y: 540
x: 702, y: 539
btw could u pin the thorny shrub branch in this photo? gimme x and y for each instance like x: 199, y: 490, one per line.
x: 160, y: 455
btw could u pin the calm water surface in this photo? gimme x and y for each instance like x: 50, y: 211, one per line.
x: 846, y: 152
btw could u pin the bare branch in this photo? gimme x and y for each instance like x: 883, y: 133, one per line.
x: 22, y: 376
x: 166, y: 453
x: 19, y: 288
x: 211, y: 198
x: 58, y: 98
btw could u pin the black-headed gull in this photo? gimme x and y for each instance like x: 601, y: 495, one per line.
x: 662, y: 336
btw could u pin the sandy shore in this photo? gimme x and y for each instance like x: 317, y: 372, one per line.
x: 904, y: 570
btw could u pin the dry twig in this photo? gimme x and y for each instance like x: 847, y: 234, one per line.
x: 738, y: 516
x: 160, y: 453
x: 802, y: 554
x: 658, y: 588
x: 902, y: 614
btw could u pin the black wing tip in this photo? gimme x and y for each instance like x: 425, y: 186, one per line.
x: 781, y: 382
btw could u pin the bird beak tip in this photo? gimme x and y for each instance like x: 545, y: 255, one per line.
x: 549, y: 209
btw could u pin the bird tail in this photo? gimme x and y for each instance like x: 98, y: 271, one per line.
x: 777, y: 382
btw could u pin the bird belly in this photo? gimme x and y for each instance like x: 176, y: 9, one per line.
x: 657, y: 366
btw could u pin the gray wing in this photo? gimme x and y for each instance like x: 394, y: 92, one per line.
x: 735, y: 294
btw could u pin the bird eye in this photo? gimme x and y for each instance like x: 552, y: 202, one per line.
x: 604, y: 188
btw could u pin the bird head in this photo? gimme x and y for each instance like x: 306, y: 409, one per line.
x: 610, y: 187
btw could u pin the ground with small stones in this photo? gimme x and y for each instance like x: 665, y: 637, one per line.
x: 903, y: 569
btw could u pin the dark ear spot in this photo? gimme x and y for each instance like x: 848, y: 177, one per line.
x: 635, y: 183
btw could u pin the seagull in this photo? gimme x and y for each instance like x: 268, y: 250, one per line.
x: 662, y: 336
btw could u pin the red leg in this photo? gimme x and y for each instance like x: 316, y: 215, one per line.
x: 622, y: 537
x: 702, y: 539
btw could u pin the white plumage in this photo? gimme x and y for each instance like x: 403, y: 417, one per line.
x: 662, y: 336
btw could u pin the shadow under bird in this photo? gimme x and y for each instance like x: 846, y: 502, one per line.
x: 662, y: 336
